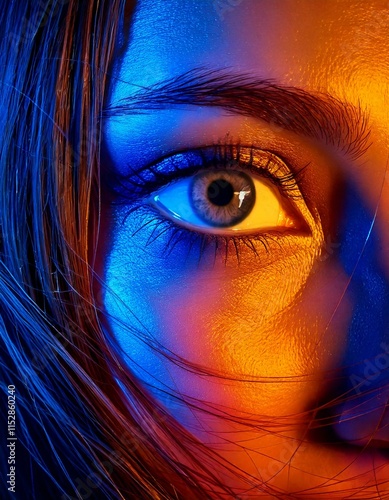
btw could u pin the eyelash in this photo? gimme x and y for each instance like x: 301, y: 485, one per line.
x: 204, y: 241
x: 223, y: 156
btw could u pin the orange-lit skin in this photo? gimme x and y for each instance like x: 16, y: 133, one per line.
x: 268, y: 320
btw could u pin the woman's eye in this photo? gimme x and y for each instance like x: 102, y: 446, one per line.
x: 221, y: 200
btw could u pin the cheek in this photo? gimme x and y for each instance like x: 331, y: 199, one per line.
x: 269, y: 339
x: 247, y: 328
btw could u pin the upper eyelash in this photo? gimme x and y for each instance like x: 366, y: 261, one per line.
x: 154, y: 176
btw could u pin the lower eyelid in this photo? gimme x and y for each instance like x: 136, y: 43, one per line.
x: 167, y: 240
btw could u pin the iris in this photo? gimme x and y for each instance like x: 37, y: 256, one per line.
x: 222, y: 199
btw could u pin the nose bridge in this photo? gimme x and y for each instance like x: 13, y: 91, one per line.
x: 364, y: 416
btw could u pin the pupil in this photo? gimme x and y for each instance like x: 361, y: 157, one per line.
x: 220, y: 192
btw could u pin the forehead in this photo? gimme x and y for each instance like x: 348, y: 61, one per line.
x: 294, y: 41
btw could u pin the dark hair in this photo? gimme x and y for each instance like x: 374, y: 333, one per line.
x: 78, y: 433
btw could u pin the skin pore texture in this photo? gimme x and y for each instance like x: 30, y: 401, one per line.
x: 262, y: 336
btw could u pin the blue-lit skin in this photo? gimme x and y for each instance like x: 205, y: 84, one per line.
x: 284, y: 312
x: 368, y: 328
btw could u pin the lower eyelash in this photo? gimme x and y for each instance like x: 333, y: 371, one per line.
x: 222, y: 244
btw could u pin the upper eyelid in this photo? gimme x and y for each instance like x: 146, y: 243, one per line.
x: 186, y: 161
x: 134, y: 187
x: 157, y: 165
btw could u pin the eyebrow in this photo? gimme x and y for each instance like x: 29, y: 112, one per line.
x: 318, y: 115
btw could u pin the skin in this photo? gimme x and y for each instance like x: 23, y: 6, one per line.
x: 282, y: 331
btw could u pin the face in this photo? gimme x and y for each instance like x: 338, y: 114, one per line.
x: 245, y: 231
